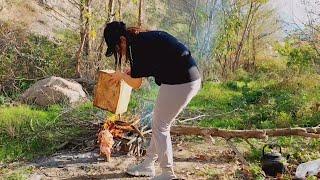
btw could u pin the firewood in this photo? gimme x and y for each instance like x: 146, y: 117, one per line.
x: 129, y: 136
x: 138, y: 148
x: 137, y: 131
x: 132, y: 140
x: 245, y: 134
x: 147, y: 132
x: 144, y: 127
x: 135, y: 122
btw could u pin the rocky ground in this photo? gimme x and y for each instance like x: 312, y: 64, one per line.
x: 194, y: 159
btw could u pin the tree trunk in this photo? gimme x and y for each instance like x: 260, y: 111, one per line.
x: 119, y: 10
x: 248, y: 21
x: 110, y: 16
x: 110, y: 11
x: 85, y: 46
x: 87, y: 27
x: 140, y: 13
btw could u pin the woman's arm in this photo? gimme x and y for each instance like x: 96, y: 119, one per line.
x: 135, y: 83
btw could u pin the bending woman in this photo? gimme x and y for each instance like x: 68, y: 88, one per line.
x: 157, y: 54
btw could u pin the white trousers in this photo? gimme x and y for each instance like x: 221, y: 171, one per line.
x: 170, y: 102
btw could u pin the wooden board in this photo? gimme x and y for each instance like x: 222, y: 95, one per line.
x: 111, y: 97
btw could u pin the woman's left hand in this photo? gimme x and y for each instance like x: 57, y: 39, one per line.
x: 116, y: 77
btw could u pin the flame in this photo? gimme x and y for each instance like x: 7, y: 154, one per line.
x: 118, y: 128
x: 112, y: 129
x: 105, y: 139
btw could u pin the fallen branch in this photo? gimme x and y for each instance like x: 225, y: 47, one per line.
x: 304, y: 132
x: 222, y: 114
x: 210, y: 116
x: 250, y: 144
x: 238, y: 153
x: 245, y: 134
x: 215, y: 132
x: 190, y: 119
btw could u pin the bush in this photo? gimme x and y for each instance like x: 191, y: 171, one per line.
x: 26, y: 58
x: 262, y: 102
x: 27, y: 132
x: 300, y: 54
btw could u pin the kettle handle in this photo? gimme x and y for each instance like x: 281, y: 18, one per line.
x: 271, y: 146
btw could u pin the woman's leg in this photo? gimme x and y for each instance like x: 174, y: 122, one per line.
x: 170, y: 102
x: 151, y: 155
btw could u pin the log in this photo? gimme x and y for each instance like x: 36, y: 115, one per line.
x: 245, y: 134
x: 304, y: 132
x: 315, y: 130
x: 215, y: 132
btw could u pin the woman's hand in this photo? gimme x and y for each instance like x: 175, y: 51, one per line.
x: 116, y: 77
x: 127, y: 71
x: 135, y: 83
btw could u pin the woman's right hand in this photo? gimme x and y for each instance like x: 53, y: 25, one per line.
x: 127, y: 71
x: 116, y: 77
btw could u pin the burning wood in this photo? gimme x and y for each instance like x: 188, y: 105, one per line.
x: 105, y: 139
x: 128, y: 138
x: 118, y: 128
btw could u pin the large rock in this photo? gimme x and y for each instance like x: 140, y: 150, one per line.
x: 54, y: 90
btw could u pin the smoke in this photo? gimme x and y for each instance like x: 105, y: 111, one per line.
x: 206, y: 31
x: 146, y: 114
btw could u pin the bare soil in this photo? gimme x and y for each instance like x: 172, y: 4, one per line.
x: 194, y: 159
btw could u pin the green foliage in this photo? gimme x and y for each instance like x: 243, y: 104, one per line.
x: 26, y: 58
x: 300, y: 54
x: 19, y: 128
x: 256, y: 172
x: 214, y: 96
x: 149, y: 92
x: 300, y: 149
x: 135, y: 2
x: 27, y: 132
x: 18, y: 174
x: 261, y: 102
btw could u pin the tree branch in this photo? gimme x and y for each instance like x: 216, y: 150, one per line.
x: 245, y: 134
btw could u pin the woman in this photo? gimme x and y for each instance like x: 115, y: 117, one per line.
x: 157, y: 54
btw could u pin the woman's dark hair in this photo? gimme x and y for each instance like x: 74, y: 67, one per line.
x: 132, y: 32
x: 135, y: 30
x: 112, y: 33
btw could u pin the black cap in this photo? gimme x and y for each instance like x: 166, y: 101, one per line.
x: 112, y: 33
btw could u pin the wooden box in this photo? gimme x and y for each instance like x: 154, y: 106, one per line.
x: 111, y: 97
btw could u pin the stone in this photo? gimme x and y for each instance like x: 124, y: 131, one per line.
x: 54, y: 90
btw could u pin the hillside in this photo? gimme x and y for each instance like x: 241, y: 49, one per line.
x: 43, y: 17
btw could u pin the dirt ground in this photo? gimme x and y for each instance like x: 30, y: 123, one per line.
x: 194, y: 159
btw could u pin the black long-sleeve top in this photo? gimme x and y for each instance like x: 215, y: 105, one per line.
x: 159, y: 54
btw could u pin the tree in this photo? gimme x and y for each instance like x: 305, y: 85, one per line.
x: 109, y: 8
x: 310, y: 30
x: 241, y: 31
x: 85, y: 28
x: 140, y: 13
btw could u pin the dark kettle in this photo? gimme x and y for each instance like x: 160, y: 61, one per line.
x: 273, y: 163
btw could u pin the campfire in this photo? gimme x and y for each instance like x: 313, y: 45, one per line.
x: 120, y: 135
x: 123, y: 137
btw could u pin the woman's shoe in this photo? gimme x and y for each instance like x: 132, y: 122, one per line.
x: 167, y: 174
x: 142, y: 169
